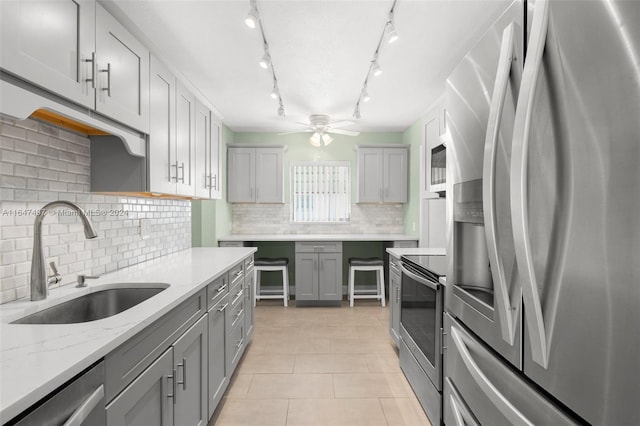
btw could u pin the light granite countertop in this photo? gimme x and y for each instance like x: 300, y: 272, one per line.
x: 318, y: 237
x: 36, y: 359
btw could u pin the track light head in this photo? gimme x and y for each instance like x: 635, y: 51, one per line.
x: 375, y: 68
x: 356, y: 113
x: 281, y: 110
x: 392, y: 34
x: 266, y: 60
x: 275, y: 93
x: 365, y: 95
x: 252, y: 18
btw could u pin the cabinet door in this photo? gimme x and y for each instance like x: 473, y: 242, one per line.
x: 215, y: 169
x: 122, y: 73
x: 148, y: 400
x: 241, y: 175
x: 202, y: 148
x: 185, y: 113
x: 190, y: 366
x: 370, y: 175
x: 248, y: 303
x: 269, y: 175
x: 162, y: 133
x: 330, y: 276
x: 306, y: 276
x: 396, y: 175
x: 51, y: 44
x: 394, y: 306
x: 218, y: 377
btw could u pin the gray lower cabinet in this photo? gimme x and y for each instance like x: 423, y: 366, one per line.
x: 318, y: 271
x: 394, y: 298
x: 249, y: 298
x: 148, y: 400
x: 190, y: 366
x: 172, y: 391
x: 218, y: 377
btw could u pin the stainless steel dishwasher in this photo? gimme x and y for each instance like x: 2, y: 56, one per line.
x: 81, y: 401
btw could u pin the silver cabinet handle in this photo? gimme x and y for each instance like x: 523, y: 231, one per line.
x: 93, y: 70
x: 108, y: 71
x: 207, y: 181
x: 499, y: 401
x: 503, y: 304
x: 215, y: 180
x: 182, y: 168
x: 397, y: 293
x: 176, y: 177
x: 87, y: 406
x: 183, y: 365
x: 238, y: 296
x: 221, y: 288
x: 223, y: 307
x: 239, y: 314
x: 519, y: 183
x: 239, y: 344
x: 173, y: 378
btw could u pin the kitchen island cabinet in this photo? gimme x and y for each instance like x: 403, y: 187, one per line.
x: 318, y: 272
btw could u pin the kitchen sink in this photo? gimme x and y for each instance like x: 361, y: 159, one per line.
x: 93, y: 306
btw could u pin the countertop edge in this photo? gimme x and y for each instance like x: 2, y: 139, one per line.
x: 318, y: 237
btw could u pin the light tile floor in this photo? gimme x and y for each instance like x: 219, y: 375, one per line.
x: 320, y: 366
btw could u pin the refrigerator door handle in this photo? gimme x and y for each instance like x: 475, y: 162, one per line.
x: 493, y: 394
x: 519, y: 183
x: 461, y: 413
x: 503, y: 302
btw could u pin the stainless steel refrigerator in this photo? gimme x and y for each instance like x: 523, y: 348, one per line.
x: 543, y: 294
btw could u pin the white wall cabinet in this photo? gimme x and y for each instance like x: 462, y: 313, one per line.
x: 185, y: 115
x: 55, y: 57
x: 207, y: 153
x: 383, y: 173
x: 77, y: 50
x: 255, y: 174
x: 122, y: 73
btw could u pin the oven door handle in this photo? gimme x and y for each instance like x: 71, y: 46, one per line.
x: 418, y: 278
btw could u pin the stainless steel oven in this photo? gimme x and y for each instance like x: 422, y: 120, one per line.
x: 421, y: 306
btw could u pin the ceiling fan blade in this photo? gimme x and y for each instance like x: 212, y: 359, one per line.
x: 344, y: 132
x: 343, y: 123
x: 304, y: 124
x: 297, y: 131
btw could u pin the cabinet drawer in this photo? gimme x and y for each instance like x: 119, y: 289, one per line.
x: 235, y: 309
x: 248, y: 265
x: 236, y: 274
x: 129, y: 360
x: 315, y: 247
x: 217, y: 290
x: 235, y: 346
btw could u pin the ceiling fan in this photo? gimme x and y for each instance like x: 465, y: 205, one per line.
x: 321, y: 126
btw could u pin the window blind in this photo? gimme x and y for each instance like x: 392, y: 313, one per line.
x: 320, y: 191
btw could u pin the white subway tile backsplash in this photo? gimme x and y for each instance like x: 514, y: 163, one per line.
x: 40, y: 163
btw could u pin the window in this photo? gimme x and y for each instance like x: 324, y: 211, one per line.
x: 320, y: 191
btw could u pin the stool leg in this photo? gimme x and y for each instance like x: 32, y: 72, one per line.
x: 285, y: 286
x: 352, y: 274
x: 381, y: 280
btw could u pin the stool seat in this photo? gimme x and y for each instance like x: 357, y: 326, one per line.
x: 276, y: 261
x: 263, y: 264
x: 365, y: 261
x: 366, y: 264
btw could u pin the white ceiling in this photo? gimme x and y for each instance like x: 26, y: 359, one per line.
x: 321, y: 51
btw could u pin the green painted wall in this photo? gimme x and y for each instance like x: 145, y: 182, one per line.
x: 413, y: 136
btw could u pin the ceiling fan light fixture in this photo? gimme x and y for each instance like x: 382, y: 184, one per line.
x: 315, y: 139
x: 326, y: 139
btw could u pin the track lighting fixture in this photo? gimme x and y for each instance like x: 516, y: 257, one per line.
x: 252, y: 17
x: 253, y: 21
x: 390, y: 35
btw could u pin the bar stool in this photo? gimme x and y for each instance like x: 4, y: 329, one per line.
x: 271, y: 264
x: 366, y: 264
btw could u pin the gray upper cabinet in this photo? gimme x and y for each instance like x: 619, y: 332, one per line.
x: 55, y: 57
x: 383, y: 172
x: 255, y: 174
x: 122, y: 73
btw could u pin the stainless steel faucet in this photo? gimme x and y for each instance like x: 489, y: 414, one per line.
x: 39, y: 279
